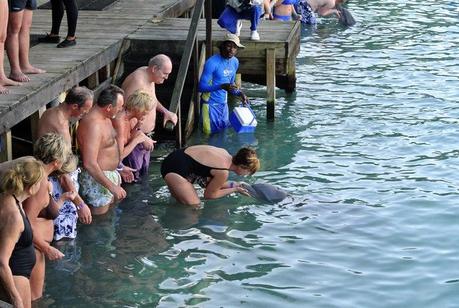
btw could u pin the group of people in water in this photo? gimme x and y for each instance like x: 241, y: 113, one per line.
x: 43, y: 196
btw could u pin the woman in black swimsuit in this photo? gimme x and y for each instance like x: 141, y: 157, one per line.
x: 17, y: 254
x: 208, y: 166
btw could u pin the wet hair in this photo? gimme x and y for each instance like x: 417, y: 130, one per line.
x: 22, y: 175
x: 78, y: 95
x: 159, y: 60
x: 139, y: 100
x: 246, y: 158
x: 53, y: 147
x: 109, y: 96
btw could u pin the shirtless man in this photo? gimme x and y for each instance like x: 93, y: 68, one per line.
x: 77, y: 103
x: 100, y: 153
x: 56, y: 155
x: 128, y: 133
x: 307, y: 8
x: 145, y: 78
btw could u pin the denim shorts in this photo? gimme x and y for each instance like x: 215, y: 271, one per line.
x: 20, y: 5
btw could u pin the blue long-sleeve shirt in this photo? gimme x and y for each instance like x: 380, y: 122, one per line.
x: 217, y: 71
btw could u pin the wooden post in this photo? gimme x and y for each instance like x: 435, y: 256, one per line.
x: 270, y: 82
x: 34, y: 118
x: 6, y: 147
x: 208, y: 13
x: 93, y: 81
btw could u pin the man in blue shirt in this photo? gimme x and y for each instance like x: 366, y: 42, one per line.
x: 216, y: 81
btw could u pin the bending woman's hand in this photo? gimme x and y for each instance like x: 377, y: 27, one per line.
x: 242, y: 191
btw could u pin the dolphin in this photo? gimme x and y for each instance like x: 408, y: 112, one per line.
x: 265, y: 192
x: 346, y: 17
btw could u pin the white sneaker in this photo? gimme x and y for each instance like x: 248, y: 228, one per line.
x: 238, y: 27
x: 254, y: 36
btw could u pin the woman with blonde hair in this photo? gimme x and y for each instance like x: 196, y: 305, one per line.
x: 17, y: 254
x: 209, y: 167
x: 56, y: 155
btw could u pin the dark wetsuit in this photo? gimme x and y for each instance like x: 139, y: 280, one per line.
x: 22, y: 259
x: 183, y: 164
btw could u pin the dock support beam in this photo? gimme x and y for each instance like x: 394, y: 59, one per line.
x: 34, y: 118
x: 6, y: 147
x: 270, y: 83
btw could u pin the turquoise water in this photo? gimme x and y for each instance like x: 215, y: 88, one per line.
x: 368, y: 149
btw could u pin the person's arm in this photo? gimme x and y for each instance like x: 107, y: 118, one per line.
x: 219, y: 187
x: 9, y: 235
x: 206, y: 83
x: 84, y: 213
x: 328, y: 9
x: 32, y: 209
x: 89, y: 150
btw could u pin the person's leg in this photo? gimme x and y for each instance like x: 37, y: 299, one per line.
x: 23, y: 286
x: 57, y: 9
x: 24, y: 45
x: 228, y: 19
x: 254, y: 15
x: 4, y: 81
x: 181, y: 189
x: 44, y: 228
x: 72, y: 16
x: 12, y: 46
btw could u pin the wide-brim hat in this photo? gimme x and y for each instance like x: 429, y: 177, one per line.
x: 230, y: 37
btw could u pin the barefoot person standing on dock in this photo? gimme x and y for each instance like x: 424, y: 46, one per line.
x: 18, y: 39
x: 4, y: 81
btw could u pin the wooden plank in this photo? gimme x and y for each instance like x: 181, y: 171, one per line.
x: 270, y: 82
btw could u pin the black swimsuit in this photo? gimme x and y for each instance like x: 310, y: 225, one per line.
x: 22, y: 259
x: 183, y: 164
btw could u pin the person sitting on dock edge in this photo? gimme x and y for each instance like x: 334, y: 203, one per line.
x: 307, y: 8
x: 235, y: 10
x: 217, y: 80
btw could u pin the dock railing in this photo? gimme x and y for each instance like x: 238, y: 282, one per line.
x: 191, y: 47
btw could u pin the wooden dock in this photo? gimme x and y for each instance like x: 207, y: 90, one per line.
x: 104, y: 36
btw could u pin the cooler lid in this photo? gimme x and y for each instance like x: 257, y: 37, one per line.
x: 245, y: 116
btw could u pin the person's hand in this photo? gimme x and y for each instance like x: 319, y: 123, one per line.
x: 84, y: 214
x: 53, y: 253
x: 169, y: 116
x: 118, y: 192
x: 338, y: 14
x: 244, y: 99
x: 127, y: 174
x: 69, y: 195
x: 228, y: 87
x: 149, y: 144
x: 241, y: 190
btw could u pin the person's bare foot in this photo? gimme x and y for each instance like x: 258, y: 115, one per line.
x: 19, y: 76
x: 32, y: 70
x: 4, y: 90
x: 5, y: 81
